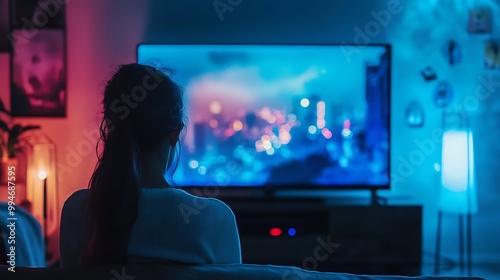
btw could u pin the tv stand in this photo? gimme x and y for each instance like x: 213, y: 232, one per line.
x: 372, y: 239
x: 376, y: 199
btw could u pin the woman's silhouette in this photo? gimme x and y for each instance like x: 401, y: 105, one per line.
x: 130, y: 212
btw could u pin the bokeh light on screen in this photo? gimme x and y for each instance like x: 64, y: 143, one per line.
x: 202, y: 170
x: 327, y: 133
x: 321, y: 108
x: 304, y: 102
x: 213, y: 123
x: 193, y: 164
x: 215, y: 107
x: 237, y: 125
x: 312, y: 129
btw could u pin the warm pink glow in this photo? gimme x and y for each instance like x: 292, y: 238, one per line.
x: 347, y: 124
x: 228, y: 132
x: 327, y: 133
x: 285, y: 137
x: 271, y: 119
x: 265, y: 113
x: 215, y: 107
x: 259, y: 147
x: 321, y: 123
x: 214, y: 123
x: 321, y: 109
x: 237, y: 125
x: 280, y: 117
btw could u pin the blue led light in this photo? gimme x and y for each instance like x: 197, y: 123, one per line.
x: 292, y: 232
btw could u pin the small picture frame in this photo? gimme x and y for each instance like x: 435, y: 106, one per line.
x: 38, y: 14
x: 492, y: 54
x: 480, y: 20
x: 5, y: 45
x: 38, y: 74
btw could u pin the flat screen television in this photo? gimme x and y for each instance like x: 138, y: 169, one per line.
x: 281, y: 116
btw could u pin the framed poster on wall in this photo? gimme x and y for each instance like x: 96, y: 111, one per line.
x: 4, y: 26
x: 38, y: 74
x: 38, y: 14
x: 479, y: 20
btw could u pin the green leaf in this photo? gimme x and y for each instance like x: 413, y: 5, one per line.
x: 14, y: 136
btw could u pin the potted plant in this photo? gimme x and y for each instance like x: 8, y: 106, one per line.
x: 11, y: 141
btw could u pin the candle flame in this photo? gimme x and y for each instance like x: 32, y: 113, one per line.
x: 42, y: 175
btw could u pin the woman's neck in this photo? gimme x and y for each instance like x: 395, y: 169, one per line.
x: 153, y: 167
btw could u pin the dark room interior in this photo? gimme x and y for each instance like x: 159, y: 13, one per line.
x: 344, y: 139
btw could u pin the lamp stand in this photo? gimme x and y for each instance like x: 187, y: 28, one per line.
x: 437, y: 267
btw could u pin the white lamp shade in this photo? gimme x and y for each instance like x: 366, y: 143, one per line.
x: 458, y: 189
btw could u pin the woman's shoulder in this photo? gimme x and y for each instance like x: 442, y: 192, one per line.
x: 78, y: 195
x: 76, y: 199
x: 203, y: 202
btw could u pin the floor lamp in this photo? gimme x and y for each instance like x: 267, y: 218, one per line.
x: 457, y: 189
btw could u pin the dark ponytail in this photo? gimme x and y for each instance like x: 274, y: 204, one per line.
x: 114, y: 188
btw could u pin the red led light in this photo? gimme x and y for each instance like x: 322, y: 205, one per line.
x: 275, y: 232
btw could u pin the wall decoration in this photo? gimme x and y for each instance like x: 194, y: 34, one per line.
x: 38, y: 79
x: 443, y: 94
x: 429, y: 74
x: 37, y: 14
x: 4, y: 26
x: 415, y: 115
x: 452, y: 52
x: 480, y: 20
x: 492, y: 54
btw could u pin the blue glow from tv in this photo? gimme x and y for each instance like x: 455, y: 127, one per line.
x: 281, y: 115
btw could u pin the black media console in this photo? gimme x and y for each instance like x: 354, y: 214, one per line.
x: 367, y: 239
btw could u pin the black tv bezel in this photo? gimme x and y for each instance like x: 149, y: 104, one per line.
x: 300, y: 187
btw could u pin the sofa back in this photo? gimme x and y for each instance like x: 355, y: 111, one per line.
x: 186, y: 272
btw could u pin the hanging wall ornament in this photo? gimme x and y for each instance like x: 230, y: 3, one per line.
x: 452, y: 52
x: 428, y: 74
x: 415, y: 115
x: 443, y: 94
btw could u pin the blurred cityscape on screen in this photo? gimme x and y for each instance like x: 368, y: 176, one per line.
x: 291, y: 116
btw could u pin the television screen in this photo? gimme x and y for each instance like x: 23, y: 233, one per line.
x: 292, y: 116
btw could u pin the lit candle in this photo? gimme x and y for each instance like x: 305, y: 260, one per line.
x: 43, y: 176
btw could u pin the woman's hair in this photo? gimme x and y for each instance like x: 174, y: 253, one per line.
x: 143, y: 108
